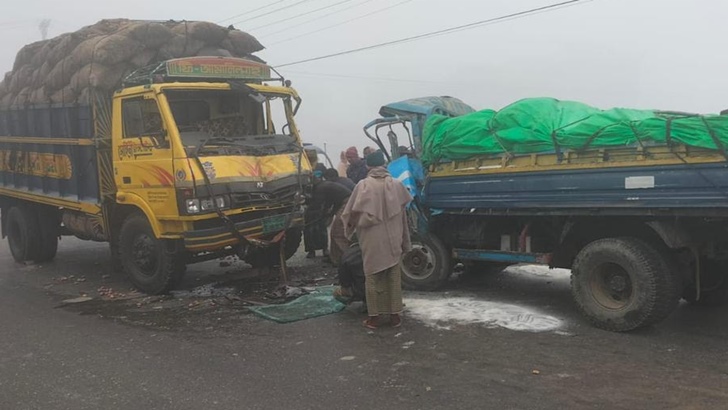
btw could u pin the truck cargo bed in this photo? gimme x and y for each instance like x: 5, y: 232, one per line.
x: 623, y: 181
x: 49, y: 152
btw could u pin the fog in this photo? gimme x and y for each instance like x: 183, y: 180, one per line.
x: 665, y: 54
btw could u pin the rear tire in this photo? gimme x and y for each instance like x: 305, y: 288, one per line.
x: 622, y: 284
x: 427, y: 266
x: 22, y: 231
x: 153, y: 265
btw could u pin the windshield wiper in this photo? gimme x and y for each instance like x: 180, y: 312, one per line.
x: 203, y: 143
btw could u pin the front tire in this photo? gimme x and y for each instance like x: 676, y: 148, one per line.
x: 153, y: 265
x: 622, y: 284
x: 427, y: 266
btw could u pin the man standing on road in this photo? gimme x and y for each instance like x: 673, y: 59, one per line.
x: 331, y: 197
x: 376, y: 213
x: 315, y: 236
x: 357, y: 170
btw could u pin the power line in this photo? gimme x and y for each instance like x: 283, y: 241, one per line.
x: 300, y: 15
x: 317, y: 18
x: 399, y: 80
x: 340, y: 24
x: 272, y: 11
x: 245, y: 13
x: 468, y: 26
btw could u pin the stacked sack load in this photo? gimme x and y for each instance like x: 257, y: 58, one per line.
x: 66, y: 68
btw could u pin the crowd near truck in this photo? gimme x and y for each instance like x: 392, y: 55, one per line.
x: 190, y: 159
x: 634, y: 202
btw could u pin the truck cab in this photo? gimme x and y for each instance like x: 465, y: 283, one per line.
x: 212, y: 164
x: 192, y: 159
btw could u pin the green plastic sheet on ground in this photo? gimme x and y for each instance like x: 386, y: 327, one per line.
x: 547, y: 125
x: 320, y: 302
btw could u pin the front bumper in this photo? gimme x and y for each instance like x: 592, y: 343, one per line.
x: 212, y: 239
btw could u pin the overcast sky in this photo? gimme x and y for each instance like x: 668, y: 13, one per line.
x: 668, y: 54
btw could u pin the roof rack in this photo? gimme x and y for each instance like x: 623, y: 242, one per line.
x: 203, y: 69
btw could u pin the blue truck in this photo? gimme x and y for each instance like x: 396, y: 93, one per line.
x: 640, y: 226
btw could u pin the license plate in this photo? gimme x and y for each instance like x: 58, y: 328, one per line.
x: 274, y: 224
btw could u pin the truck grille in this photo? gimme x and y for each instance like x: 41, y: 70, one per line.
x: 216, y: 222
x: 280, y: 196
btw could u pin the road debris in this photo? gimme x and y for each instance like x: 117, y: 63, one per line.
x: 73, y: 301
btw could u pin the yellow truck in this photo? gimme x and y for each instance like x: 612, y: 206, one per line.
x: 194, y: 158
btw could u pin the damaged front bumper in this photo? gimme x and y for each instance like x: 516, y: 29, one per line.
x: 212, y: 239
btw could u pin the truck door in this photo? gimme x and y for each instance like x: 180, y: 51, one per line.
x: 144, y: 154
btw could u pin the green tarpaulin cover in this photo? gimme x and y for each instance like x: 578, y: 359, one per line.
x: 320, y: 302
x: 545, y: 124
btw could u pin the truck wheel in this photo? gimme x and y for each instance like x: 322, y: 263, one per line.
x: 148, y: 261
x: 427, y: 266
x: 22, y: 231
x: 622, y: 284
x: 49, y: 227
x: 713, y: 285
x: 265, y: 257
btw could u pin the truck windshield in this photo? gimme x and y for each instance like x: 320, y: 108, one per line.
x: 232, y: 122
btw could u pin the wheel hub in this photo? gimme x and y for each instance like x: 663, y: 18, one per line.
x: 618, y: 283
x: 143, y: 250
x: 611, y: 286
x: 419, y: 262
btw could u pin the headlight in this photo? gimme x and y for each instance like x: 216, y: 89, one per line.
x: 207, y: 204
x: 193, y: 206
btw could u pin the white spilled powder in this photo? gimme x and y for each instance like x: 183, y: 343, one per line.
x: 438, y: 312
x: 539, y: 271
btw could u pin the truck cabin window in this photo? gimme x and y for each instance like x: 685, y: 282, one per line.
x: 142, y: 119
x: 231, y: 122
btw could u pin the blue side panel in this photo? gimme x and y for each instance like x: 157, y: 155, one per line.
x: 675, y: 186
x: 77, y: 164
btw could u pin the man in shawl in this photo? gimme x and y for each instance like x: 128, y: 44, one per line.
x: 376, y: 213
x: 357, y: 169
x: 315, y: 232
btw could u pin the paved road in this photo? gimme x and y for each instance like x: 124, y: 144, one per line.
x: 107, y: 356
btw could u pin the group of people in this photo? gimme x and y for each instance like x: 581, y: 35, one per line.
x: 365, y: 211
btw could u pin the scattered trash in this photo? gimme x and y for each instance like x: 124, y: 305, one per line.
x: 535, y: 372
x: 109, y: 293
x: 287, y: 292
x: 80, y: 299
x: 205, y: 291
